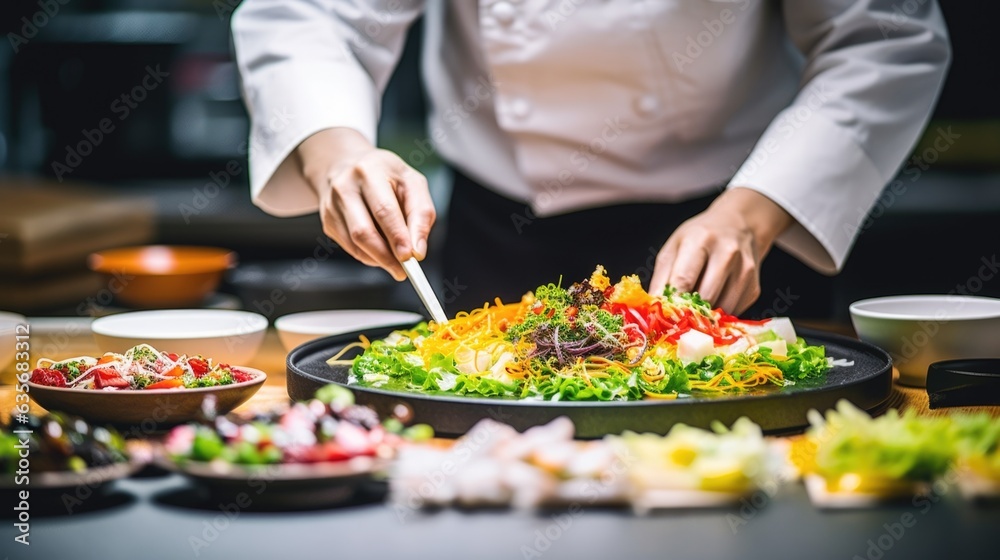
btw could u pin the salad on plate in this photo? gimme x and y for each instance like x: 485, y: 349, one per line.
x: 592, y: 341
x: 139, y: 368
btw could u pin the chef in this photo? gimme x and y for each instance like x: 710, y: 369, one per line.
x: 679, y: 139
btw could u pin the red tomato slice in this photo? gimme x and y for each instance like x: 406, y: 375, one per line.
x: 198, y: 366
x: 108, y: 377
x: 241, y: 376
x: 49, y: 377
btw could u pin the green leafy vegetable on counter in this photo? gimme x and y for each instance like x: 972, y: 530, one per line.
x: 894, y: 446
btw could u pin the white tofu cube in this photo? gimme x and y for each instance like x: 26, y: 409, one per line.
x: 693, y: 346
x: 778, y: 347
x: 737, y: 347
x: 783, y: 327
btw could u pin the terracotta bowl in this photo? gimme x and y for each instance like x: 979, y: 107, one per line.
x: 154, y: 276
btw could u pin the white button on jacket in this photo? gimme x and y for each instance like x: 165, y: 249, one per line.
x: 504, y: 12
x: 574, y: 104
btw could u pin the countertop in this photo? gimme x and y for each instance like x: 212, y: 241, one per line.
x: 163, y: 518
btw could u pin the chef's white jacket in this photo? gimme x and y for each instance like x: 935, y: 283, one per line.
x: 568, y: 104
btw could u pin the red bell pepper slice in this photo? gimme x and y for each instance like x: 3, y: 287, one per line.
x: 166, y: 384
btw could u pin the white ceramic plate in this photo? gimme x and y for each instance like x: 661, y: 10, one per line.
x: 227, y: 336
x: 298, y: 328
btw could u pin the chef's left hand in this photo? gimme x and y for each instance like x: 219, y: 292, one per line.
x: 718, y: 252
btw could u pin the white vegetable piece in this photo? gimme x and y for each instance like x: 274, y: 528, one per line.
x: 481, y: 482
x: 782, y: 326
x: 738, y: 347
x: 494, y: 465
x: 447, y: 381
x: 778, y: 347
x: 693, y: 346
x: 498, y: 370
x: 468, y: 360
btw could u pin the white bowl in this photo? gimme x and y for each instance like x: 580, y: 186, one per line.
x: 8, y: 321
x: 227, y: 336
x: 298, y: 328
x: 920, y: 330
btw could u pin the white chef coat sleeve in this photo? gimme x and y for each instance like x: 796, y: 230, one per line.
x: 872, y: 75
x: 309, y: 65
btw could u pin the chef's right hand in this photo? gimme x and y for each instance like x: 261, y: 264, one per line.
x: 374, y: 205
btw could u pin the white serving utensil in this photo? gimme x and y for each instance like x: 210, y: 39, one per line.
x: 416, y: 275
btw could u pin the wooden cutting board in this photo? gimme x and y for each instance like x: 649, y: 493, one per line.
x: 74, y: 292
x: 47, y: 226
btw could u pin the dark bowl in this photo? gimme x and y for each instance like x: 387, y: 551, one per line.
x: 276, y: 288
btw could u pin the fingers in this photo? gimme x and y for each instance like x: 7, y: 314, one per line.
x: 335, y: 226
x: 731, y: 280
x: 720, y: 266
x: 717, y: 272
x: 419, y: 209
x: 378, y: 190
x: 363, y: 206
x: 749, y: 279
x: 688, y: 265
x: 664, y: 264
x: 363, y: 232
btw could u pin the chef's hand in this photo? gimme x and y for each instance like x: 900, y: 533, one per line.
x: 374, y: 205
x: 718, y: 252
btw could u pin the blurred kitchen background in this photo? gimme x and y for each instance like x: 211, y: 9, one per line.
x: 174, y: 170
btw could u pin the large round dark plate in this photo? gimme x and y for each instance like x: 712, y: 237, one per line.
x: 867, y: 384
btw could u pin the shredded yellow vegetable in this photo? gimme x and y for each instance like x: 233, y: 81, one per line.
x: 362, y: 343
x: 739, y: 373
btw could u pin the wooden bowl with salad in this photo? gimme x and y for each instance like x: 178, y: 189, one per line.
x: 142, y: 386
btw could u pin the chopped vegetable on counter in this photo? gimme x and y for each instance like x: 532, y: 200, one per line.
x: 58, y: 442
x: 737, y: 460
x: 854, y: 453
x: 328, y: 428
